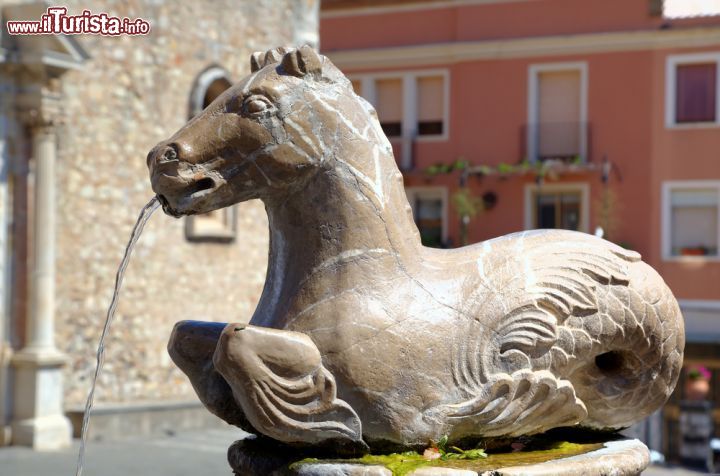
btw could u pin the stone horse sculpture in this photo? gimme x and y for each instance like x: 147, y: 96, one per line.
x: 362, y: 335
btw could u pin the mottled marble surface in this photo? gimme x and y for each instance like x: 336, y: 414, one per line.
x: 363, y: 336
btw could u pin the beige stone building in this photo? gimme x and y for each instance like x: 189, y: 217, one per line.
x: 78, y: 115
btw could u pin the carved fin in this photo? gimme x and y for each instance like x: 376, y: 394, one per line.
x: 525, y: 402
x: 278, y: 379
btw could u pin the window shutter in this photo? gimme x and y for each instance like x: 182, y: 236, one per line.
x: 694, y: 221
x: 431, y: 105
x: 558, y: 132
x: 430, y: 98
x: 389, y: 100
x: 696, y: 92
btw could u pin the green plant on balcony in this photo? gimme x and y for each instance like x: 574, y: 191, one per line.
x: 467, y: 207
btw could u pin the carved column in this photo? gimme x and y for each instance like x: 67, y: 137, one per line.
x: 39, y: 420
x: 5, y: 259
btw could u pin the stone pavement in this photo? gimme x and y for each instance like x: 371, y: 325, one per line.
x: 197, y: 453
x: 188, y: 453
x: 671, y: 471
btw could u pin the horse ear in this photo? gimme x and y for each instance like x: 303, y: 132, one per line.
x: 275, y: 55
x: 302, y: 61
x: 256, y: 61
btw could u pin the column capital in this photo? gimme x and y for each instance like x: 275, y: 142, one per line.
x: 38, y: 104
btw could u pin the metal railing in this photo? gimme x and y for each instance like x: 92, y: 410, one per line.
x: 564, y: 141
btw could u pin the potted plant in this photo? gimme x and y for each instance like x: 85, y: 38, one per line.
x: 697, y: 385
x: 693, y: 251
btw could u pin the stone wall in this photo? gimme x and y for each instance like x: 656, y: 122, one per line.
x: 132, y: 93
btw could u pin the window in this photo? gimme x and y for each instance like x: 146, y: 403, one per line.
x: 409, y: 104
x: 557, y: 210
x: 695, y: 92
x: 557, y: 111
x: 431, y: 108
x: 428, y: 216
x: 208, y: 85
x: 557, y: 206
x: 691, y: 219
x: 412, y: 106
x: 429, y: 206
x: 389, y: 105
x: 686, y: 8
x: 559, y: 114
x: 218, y: 225
x: 692, y: 83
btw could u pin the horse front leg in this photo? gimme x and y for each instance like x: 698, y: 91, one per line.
x: 191, y: 347
x: 278, y: 379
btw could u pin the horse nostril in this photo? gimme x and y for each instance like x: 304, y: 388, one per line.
x: 169, y: 154
x: 163, y: 154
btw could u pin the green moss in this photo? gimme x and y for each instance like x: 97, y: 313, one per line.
x: 402, y: 464
x: 297, y: 464
x: 399, y: 463
x: 556, y: 450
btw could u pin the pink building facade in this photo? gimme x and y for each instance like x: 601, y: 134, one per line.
x: 553, y: 114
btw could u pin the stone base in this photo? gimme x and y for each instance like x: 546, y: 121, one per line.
x: 43, y: 433
x: 38, y: 393
x: 619, y: 458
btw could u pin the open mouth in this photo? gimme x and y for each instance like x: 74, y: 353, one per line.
x: 166, y: 206
x: 191, y: 195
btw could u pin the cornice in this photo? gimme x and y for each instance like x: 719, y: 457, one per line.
x: 564, y: 45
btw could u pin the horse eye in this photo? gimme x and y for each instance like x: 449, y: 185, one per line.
x: 256, y: 105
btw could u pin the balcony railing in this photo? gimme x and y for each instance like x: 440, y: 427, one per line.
x: 564, y: 141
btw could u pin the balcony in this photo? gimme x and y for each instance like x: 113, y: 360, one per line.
x: 567, y: 142
x: 550, y: 150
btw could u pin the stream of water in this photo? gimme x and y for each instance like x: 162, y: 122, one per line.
x: 145, y: 214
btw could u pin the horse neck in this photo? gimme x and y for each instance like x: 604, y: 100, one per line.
x: 342, y: 213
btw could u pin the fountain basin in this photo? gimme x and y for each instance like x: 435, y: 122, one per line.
x: 588, y: 458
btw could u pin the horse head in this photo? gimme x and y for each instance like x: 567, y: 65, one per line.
x: 262, y: 138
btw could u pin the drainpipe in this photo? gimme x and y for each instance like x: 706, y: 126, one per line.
x: 409, y: 122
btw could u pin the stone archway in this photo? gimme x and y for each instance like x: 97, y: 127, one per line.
x: 208, y: 85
